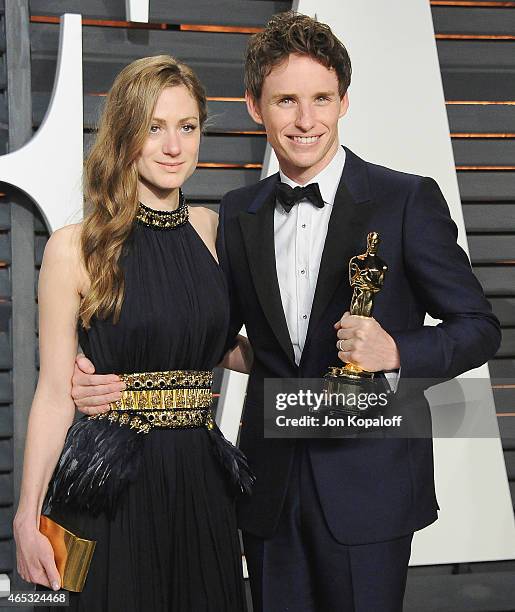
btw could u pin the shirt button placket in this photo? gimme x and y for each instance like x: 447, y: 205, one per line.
x: 301, y: 224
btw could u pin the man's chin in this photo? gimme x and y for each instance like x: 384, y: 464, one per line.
x: 303, y: 161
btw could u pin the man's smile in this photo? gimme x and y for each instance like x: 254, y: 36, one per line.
x: 305, y: 140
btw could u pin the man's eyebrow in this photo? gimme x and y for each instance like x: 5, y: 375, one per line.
x: 280, y: 96
x: 327, y: 94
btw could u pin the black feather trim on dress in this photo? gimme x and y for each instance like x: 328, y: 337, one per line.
x: 99, y: 460
x: 231, y: 458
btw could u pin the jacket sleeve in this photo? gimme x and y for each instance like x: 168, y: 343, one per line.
x: 443, y: 282
x: 236, y: 318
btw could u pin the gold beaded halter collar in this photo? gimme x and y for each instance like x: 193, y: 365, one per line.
x: 164, y: 219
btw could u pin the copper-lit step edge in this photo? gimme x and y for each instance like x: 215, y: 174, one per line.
x: 112, y: 23
x: 475, y: 37
x: 473, y: 3
x: 102, y: 94
x: 222, y: 166
x: 239, y: 132
x: 105, y: 23
x: 498, y: 37
x: 220, y: 28
x: 481, y: 135
x: 480, y: 102
x: 498, y: 262
x: 485, y: 168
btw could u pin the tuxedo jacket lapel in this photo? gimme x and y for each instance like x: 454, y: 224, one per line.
x: 345, y: 237
x: 257, y: 226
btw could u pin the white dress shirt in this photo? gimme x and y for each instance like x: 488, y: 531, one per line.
x: 299, y: 238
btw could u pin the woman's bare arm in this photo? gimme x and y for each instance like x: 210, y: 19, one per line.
x: 52, y: 410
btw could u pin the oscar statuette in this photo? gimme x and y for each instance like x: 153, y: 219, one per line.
x: 366, y: 277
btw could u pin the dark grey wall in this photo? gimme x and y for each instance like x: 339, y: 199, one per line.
x: 477, y: 73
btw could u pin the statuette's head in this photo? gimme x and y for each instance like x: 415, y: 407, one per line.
x: 373, y: 242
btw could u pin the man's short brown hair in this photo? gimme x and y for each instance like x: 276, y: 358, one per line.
x: 292, y: 32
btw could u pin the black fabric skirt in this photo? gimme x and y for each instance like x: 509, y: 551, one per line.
x: 173, y: 544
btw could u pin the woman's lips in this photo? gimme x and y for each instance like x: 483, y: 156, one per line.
x: 170, y: 166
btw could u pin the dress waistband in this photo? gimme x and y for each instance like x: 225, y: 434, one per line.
x: 173, y: 399
x: 171, y: 379
x: 100, y: 459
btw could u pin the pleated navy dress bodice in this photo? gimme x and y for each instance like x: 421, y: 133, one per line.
x: 175, y: 312
x: 172, y: 545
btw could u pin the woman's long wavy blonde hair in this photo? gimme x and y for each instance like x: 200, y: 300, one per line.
x: 111, y: 176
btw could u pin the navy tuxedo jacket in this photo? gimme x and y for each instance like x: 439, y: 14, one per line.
x: 370, y: 489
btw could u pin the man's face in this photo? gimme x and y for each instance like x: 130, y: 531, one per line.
x: 300, y: 107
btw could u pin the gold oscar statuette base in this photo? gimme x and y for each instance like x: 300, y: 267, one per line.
x: 342, y: 382
x: 350, y: 372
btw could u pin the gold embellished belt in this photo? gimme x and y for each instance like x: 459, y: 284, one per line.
x: 176, y: 398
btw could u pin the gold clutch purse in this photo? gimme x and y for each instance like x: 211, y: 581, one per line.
x: 72, y: 554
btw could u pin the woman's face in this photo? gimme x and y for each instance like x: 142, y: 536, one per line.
x: 170, y: 153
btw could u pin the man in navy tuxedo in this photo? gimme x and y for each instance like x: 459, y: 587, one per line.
x: 330, y: 522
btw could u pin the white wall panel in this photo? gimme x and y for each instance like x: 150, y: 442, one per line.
x: 49, y: 167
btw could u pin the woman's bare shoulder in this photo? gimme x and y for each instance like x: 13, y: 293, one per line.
x: 63, y: 254
x: 64, y: 243
x: 207, y: 215
x: 204, y: 219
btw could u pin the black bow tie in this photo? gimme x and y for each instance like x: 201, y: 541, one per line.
x: 289, y: 196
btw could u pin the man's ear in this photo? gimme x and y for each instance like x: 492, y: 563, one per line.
x: 253, y: 108
x: 344, y: 105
